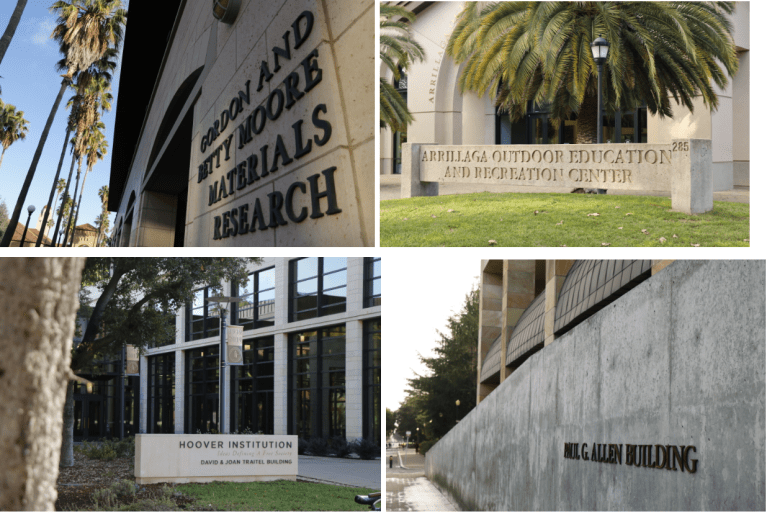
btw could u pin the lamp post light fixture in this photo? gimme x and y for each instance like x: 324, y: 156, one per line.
x: 223, y: 302
x: 226, y: 11
x: 30, y: 209
x: 599, y: 50
x: 457, y: 404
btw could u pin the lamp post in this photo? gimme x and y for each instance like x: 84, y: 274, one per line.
x: 223, y: 302
x: 599, y: 50
x: 457, y: 404
x: 30, y: 209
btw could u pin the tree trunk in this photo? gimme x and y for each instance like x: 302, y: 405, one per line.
x: 53, y: 188
x: 38, y: 306
x: 68, y: 434
x: 61, y: 211
x: 68, y: 237
x: 82, y: 188
x: 586, y: 125
x: 2, y: 154
x: 6, y: 242
x: 5, y: 41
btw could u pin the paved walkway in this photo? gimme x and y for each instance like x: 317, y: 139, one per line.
x: 408, y: 490
x: 390, y: 190
x: 351, y: 472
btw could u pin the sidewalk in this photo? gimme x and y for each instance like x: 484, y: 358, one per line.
x: 349, y: 472
x: 407, y: 489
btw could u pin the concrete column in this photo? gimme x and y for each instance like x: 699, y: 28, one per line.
x: 556, y: 271
x: 281, y: 348
x: 411, y: 184
x: 490, y: 305
x: 179, y: 400
x: 281, y: 290
x: 354, y: 394
x: 659, y: 265
x: 355, y: 283
x: 692, y: 181
x: 518, y: 294
x: 143, y: 393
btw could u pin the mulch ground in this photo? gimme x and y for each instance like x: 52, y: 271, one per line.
x: 76, y: 484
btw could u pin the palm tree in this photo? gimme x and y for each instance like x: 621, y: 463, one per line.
x: 522, y: 53
x: 85, y: 30
x: 13, y: 127
x: 87, y: 106
x: 59, y: 189
x: 103, y: 219
x: 5, y: 41
x: 96, y: 150
x: 102, y: 68
x: 397, y: 51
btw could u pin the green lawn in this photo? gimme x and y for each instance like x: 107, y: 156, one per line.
x: 510, y: 219
x: 280, y: 495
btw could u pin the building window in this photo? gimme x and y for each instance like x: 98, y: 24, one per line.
x: 537, y: 128
x: 201, y: 412
x: 371, y: 381
x: 317, y: 383
x: 201, y: 318
x: 256, y: 310
x: 372, y: 281
x: 253, y: 388
x: 162, y: 394
x: 317, y: 287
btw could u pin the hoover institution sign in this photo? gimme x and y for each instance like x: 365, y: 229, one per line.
x: 184, y: 458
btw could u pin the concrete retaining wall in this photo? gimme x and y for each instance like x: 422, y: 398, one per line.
x: 680, y: 360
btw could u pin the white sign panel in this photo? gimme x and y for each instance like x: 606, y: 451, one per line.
x: 234, y: 345
x: 184, y: 458
x: 131, y: 360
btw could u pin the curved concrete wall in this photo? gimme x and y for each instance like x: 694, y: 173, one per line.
x: 679, y: 360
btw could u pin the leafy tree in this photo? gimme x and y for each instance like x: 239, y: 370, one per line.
x: 390, y: 426
x: 431, y: 401
x: 85, y: 30
x: 13, y: 126
x: 3, y: 217
x: 10, y: 30
x: 136, y: 296
x: 539, y: 52
x: 398, y: 50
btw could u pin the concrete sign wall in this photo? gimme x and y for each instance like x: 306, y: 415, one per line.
x: 682, y: 167
x: 662, y: 392
x: 181, y: 458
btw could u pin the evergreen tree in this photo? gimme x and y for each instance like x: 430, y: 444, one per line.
x: 431, y: 401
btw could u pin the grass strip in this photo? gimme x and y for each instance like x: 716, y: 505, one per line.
x: 279, y: 495
x: 550, y: 219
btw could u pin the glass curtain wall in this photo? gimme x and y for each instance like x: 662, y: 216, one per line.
x: 162, y: 394
x: 317, y: 383
x: 201, y: 318
x: 253, y: 388
x: 256, y: 310
x: 201, y: 412
x: 317, y: 287
x: 371, y: 381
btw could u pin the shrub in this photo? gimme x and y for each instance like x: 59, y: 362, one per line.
x: 108, y: 449
x: 104, y: 499
x: 303, y: 444
x: 426, y: 446
x: 367, y: 449
x: 123, y: 488
x: 340, y: 446
x: 317, y: 446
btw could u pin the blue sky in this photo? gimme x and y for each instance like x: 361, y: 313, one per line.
x: 31, y: 83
